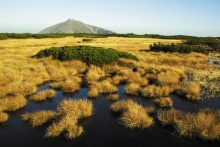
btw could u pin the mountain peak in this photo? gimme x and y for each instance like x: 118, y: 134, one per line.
x: 74, y: 26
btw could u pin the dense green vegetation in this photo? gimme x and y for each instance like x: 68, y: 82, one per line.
x: 181, y: 48
x: 91, y: 55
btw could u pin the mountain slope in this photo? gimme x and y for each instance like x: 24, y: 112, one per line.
x: 74, y: 26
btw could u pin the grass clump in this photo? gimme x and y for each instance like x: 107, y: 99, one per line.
x: 3, y: 117
x: 113, y: 97
x: 154, y: 91
x: 81, y: 108
x: 132, y: 89
x: 205, y: 124
x: 70, y: 111
x: 164, y: 102
x: 43, y: 95
x: 38, y: 118
x: 91, y: 55
x: 133, y: 115
x: 13, y: 103
x: 190, y: 90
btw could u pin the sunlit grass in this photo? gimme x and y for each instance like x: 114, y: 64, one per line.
x: 164, y: 102
x: 43, y: 95
x: 133, y: 114
x: 3, y: 117
x: 38, y: 118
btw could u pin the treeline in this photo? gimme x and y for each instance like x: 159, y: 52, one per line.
x: 181, y: 48
x: 128, y: 35
x: 91, y: 55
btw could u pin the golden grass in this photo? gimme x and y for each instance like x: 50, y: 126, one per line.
x: 81, y: 108
x: 70, y: 112
x: 169, y: 117
x: 12, y: 103
x: 3, y: 117
x: 164, y: 102
x: 133, y: 115
x: 205, y: 124
x: 154, y: 91
x: 94, y: 74
x: 113, y: 97
x: 132, y: 89
x: 97, y: 88
x: 70, y: 86
x: 43, y: 95
x: 136, y: 78
x: 38, y: 118
x: 190, y: 90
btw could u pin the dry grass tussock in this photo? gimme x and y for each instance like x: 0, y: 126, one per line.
x: 205, y: 124
x: 94, y: 74
x: 39, y: 118
x: 97, y: 88
x: 70, y: 112
x: 164, y: 102
x: 132, y: 89
x: 12, y: 103
x: 208, y: 79
x: 43, y: 95
x: 3, y: 117
x: 190, y: 90
x: 136, y: 78
x: 133, y: 115
x: 154, y: 91
x: 113, y: 97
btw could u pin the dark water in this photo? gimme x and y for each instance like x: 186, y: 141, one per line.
x: 102, y: 129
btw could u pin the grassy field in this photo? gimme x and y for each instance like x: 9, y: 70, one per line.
x: 156, y: 75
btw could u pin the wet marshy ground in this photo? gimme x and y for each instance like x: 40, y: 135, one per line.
x: 102, y: 129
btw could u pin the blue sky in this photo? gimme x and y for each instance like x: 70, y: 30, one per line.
x: 165, y: 17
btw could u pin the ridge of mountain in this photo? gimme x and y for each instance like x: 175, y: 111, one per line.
x: 74, y: 26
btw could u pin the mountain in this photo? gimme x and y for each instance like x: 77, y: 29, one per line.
x: 74, y: 26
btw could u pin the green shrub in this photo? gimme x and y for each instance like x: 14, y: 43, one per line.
x: 181, y: 48
x: 89, y: 54
x: 87, y: 40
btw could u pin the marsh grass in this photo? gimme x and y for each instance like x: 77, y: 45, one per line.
x: 81, y: 108
x: 133, y: 115
x: 164, y: 102
x: 43, y: 95
x: 205, y: 124
x: 190, y: 90
x: 13, y: 103
x: 70, y: 111
x: 3, y: 117
x: 132, y: 89
x: 70, y: 86
x: 153, y: 91
x: 113, y: 97
x: 39, y: 118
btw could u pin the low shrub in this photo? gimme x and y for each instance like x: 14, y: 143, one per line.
x: 91, y: 55
x: 181, y: 48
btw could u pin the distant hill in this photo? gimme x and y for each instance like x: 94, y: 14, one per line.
x: 74, y: 26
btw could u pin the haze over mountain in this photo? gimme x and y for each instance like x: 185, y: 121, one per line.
x: 74, y: 26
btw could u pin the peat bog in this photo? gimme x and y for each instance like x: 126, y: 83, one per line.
x: 102, y: 128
